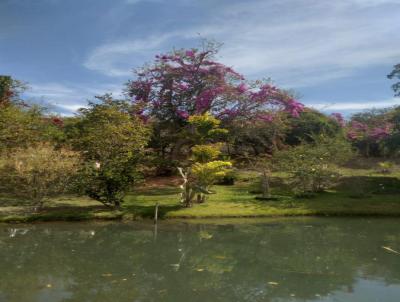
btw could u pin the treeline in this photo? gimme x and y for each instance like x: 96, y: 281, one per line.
x: 184, y: 114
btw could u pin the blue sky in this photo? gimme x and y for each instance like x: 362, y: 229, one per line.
x: 334, y: 54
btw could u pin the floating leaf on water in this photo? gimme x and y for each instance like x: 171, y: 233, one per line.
x: 273, y: 283
x: 199, y: 269
x: 49, y: 285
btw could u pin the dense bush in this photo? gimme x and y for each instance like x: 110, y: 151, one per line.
x: 39, y: 172
x: 309, y: 124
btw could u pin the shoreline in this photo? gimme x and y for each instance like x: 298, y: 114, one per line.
x: 121, y: 217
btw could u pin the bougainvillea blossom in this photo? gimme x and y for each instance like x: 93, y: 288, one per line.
x: 338, y: 117
x: 360, y: 131
x: 188, y: 82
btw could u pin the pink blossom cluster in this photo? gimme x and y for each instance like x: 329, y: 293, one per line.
x: 189, y: 82
x: 338, y: 117
x: 359, y: 131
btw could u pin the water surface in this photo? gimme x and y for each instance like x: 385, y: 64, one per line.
x: 310, y: 259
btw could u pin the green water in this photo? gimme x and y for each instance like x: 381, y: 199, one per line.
x: 314, y: 259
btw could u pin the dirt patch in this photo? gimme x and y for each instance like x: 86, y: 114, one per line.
x: 163, y: 182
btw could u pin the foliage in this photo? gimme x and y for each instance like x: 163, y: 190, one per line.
x: 39, y: 172
x: 185, y: 83
x: 312, y: 123
x: 23, y: 126
x: 263, y: 165
x: 205, y: 169
x: 385, y: 167
x: 257, y: 136
x: 312, y: 166
x: 207, y: 173
x: 112, y: 142
x: 205, y: 153
x: 370, y: 130
x: 395, y: 74
x: 392, y: 142
x: 10, y: 91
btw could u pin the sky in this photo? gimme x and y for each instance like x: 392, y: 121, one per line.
x: 335, y: 54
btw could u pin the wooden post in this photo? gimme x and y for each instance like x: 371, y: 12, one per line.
x: 156, y: 213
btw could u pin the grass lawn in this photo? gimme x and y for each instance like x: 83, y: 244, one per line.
x: 361, y: 192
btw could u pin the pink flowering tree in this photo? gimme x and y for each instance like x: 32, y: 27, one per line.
x: 191, y: 82
x: 368, y: 137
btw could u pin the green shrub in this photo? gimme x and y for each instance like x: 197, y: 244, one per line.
x: 112, y: 142
x: 313, y: 166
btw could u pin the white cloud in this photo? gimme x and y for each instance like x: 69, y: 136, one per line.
x: 355, y: 106
x: 112, y: 59
x: 296, y: 42
x: 68, y: 97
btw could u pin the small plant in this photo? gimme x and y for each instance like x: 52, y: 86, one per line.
x: 204, y: 169
x: 263, y: 166
x: 385, y: 167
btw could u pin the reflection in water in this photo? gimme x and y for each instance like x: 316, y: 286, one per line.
x: 282, y: 260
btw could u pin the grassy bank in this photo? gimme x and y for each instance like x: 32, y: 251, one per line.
x: 360, y: 192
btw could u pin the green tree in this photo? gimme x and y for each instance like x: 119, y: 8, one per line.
x: 395, y: 74
x: 112, y: 142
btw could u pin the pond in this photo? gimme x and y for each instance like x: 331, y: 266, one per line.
x: 303, y: 259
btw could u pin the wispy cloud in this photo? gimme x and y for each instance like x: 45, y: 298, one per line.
x: 297, y: 42
x: 355, y: 106
x: 116, y: 59
x: 67, y: 98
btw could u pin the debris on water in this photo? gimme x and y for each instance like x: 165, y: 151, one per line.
x: 199, y: 269
x: 390, y: 250
x: 107, y: 275
x: 48, y: 285
x: 273, y: 283
x: 219, y: 257
x: 205, y: 235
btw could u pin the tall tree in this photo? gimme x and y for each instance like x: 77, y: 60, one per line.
x: 190, y: 82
